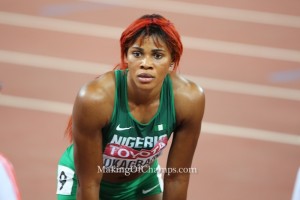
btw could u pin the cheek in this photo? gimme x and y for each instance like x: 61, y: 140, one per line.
x: 164, y: 65
x: 163, y: 69
x: 129, y: 58
x: 132, y: 60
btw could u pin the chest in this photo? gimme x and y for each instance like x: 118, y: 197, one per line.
x: 143, y: 113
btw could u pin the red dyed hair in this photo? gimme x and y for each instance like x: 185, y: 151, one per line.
x: 155, y: 26
x: 148, y: 25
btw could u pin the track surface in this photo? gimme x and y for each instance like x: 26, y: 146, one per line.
x: 246, y: 54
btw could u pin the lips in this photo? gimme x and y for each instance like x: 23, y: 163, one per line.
x: 145, y: 78
x: 145, y: 75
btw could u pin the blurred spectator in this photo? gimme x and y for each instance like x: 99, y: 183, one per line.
x: 8, y: 186
x: 296, y: 193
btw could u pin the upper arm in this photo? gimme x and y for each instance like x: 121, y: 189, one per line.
x: 189, y: 103
x: 91, y: 113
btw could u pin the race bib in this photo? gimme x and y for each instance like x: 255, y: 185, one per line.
x: 64, y: 180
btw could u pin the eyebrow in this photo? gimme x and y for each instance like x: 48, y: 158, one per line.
x: 153, y: 50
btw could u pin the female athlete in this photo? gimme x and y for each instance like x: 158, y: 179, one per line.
x: 122, y: 121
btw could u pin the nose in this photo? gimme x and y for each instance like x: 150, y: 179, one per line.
x: 146, y: 63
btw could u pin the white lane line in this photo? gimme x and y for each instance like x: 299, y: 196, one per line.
x: 241, y: 49
x: 35, y: 104
x: 207, y: 127
x: 52, y: 63
x: 209, y: 11
x: 250, y: 133
x: 95, y: 30
x: 60, y: 25
x: 48, y: 62
x: 246, y: 88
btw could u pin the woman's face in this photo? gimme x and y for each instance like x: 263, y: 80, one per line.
x: 149, y: 61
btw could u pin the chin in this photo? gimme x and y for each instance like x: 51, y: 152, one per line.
x: 145, y: 86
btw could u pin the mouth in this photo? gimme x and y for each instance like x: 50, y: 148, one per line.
x: 145, y: 78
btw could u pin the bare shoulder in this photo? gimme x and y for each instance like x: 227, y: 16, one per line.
x: 189, y: 97
x: 98, y: 89
x: 95, y: 97
x: 186, y: 90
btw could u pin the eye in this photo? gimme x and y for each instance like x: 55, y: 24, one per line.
x: 136, y: 54
x: 158, y: 55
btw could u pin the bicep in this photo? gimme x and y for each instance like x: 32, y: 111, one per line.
x: 187, y: 133
x: 183, y: 146
x: 87, y: 139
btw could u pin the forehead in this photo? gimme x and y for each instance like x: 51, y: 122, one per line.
x: 153, y: 41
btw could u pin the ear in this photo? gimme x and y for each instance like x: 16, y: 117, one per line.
x: 125, y: 58
x: 171, y: 66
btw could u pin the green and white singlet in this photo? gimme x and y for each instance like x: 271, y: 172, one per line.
x: 128, y: 143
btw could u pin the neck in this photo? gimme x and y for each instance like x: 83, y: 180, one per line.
x: 143, y: 97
